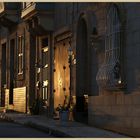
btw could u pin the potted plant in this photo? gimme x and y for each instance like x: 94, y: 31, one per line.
x: 63, y: 112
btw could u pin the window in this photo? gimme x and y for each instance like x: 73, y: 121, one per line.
x: 45, y: 89
x: 20, y: 54
x: 112, y: 46
x: 45, y: 57
x: 45, y: 51
x: 106, y: 76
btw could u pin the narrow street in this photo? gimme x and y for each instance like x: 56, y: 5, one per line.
x: 12, y: 130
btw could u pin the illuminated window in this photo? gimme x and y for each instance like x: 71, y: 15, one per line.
x: 45, y: 51
x: 45, y: 89
x: 20, y: 54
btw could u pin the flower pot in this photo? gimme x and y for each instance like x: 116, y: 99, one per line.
x: 64, y: 115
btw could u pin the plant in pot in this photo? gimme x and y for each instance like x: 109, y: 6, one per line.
x: 63, y: 112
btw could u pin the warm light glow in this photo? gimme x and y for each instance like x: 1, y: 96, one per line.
x: 45, y: 83
x: 60, y: 82
x: 45, y: 49
x: 74, y: 61
x: 119, y: 81
x: 38, y: 71
x: 46, y: 66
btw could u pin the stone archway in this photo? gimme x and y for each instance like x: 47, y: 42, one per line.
x: 81, y: 71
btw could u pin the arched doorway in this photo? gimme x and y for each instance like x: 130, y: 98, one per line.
x: 81, y: 72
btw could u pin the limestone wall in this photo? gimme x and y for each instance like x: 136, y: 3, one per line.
x: 119, y: 112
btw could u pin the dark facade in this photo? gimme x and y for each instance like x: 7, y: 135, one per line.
x: 51, y: 53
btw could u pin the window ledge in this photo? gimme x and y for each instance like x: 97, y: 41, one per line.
x: 20, y: 73
x: 20, y: 76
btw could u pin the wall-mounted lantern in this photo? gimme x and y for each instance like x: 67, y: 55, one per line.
x: 117, y: 72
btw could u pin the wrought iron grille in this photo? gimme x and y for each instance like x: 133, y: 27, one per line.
x: 108, y: 75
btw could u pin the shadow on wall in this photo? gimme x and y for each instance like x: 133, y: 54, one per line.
x: 103, y: 119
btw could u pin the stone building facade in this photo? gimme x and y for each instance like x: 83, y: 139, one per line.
x: 86, y: 51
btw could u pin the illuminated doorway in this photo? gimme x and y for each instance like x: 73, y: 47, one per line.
x: 61, y: 73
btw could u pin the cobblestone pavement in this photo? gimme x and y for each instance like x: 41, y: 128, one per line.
x: 60, y: 129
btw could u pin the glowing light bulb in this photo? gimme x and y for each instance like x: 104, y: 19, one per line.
x: 119, y: 81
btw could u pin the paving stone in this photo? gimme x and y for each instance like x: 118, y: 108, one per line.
x: 64, y: 129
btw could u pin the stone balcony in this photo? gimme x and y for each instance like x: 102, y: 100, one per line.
x: 39, y: 16
x: 29, y: 9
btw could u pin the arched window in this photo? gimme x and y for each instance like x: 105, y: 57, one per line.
x: 112, y: 40
x: 108, y: 75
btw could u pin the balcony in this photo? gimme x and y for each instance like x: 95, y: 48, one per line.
x: 9, y: 13
x: 28, y: 9
x: 39, y: 16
